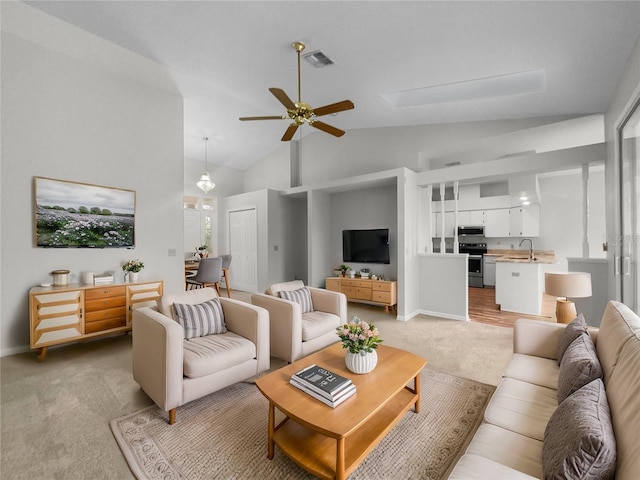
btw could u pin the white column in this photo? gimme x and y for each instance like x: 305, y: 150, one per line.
x: 443, y: 248
x: 585, y: 211
x: 455, y: 216
x: 429, y: 219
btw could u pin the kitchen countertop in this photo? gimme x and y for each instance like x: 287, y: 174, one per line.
x: 522, y: 256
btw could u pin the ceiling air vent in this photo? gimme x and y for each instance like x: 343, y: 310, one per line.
x: 318, y: 59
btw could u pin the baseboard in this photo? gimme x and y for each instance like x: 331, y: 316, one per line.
x: 448, y: 316
x: 5, y: 352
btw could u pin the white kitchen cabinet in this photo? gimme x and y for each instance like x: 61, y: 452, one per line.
x: 476, y: 217
x: 471, y: 217
x: 497, y: 223
x: 525, y: 221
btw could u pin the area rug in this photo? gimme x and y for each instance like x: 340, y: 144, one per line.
x: 224, y: 436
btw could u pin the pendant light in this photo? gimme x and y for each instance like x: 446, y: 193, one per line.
x: 205, y: 182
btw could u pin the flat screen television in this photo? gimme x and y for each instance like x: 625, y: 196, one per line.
x: 366, y: 246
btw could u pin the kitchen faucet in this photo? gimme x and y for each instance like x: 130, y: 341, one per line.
x: 530, y: 247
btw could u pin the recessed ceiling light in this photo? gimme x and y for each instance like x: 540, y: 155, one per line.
x: 526, y: 203
x: 523, y: 198
x: 499, y: 86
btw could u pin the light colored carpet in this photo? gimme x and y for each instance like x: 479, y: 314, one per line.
x: 224, y: 435
x: 55, y: 415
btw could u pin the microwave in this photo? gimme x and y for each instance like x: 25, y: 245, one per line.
x: 467, y: 230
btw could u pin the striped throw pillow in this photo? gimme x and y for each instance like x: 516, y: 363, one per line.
x: 301, y: 296
x: 200, y: 319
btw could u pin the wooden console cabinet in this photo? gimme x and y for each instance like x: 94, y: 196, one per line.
x: 66, y: 314
x: 365, y: 290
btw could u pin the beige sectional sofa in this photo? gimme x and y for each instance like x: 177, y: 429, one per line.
x: 527, y: 434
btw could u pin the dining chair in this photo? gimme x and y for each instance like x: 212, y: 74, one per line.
x: 226, y: 261
x: 209, y: 274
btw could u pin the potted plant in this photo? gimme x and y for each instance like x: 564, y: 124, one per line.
x: 344, y: 269
x: 131, y: 269
x: 361, y: 339
x: 202, y: 251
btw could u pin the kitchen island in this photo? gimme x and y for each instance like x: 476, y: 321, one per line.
x: 520, y: 281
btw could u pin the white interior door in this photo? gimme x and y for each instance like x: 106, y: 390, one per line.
x: 629, y: 247
x: 243, y: 235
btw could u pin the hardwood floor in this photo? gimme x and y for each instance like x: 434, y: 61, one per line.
x: 483, y: 309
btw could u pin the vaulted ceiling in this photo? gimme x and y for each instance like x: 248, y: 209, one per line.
x: 224, y: 55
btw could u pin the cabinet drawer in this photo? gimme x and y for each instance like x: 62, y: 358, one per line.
x: 350, y: 292
x: 102, y: 303
x: 362, y: 283
x: 103, y: 292
x: 348, y: 283
x: 363, y: 293
x: 107, y: 313
x: 382, y: 297
x: 381, y: 286
x: 332, y: 284
x: 104, y: 325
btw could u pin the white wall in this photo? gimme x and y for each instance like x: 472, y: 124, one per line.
x: 443, y: 280
x: 77, y: 108
x: 370, y: 150
x: 364, y: 209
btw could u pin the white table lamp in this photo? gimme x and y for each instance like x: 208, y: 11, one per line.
x: 567, y: 285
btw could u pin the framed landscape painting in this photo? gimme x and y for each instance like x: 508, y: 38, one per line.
x: 72, y: 214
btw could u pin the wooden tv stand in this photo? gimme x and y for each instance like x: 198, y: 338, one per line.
x: 365, y: 290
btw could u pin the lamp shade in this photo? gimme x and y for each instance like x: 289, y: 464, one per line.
x: 567, y: 284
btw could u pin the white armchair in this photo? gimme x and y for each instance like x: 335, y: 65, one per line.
x: 295, y: 334
x: 174, y: 371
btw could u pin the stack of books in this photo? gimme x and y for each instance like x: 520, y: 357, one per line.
x: 102, y: 278
x: 328, y: 387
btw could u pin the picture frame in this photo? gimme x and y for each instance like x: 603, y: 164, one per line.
x: 71, y: 214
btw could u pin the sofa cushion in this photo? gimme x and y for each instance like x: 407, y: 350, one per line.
x: 202, y: 319
x: 532, y: 369
x: 301, y: 296
x: 475, y: 467
x: 315, y: 324
x: 573, y: 330
x: 521, y: 407
x: 619, y: 323
x: 276, y: 288
x: 579, y: 440
x: 214, y: 353
x: 508, y: 448
x: 191, y: 297
x: 579, y: 366
x: 623, y: 391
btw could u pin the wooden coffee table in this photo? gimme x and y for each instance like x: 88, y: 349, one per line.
x: 332, y: 442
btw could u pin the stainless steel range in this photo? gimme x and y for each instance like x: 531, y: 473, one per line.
x: 476, y: 252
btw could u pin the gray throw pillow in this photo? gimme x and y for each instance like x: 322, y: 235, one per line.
x: 572, y: 331
x: 578, y: 440
x: 301, y: 296
x: 579, y: 366
x: 200, y: 319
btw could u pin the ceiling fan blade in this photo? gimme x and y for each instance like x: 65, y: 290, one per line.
x: 333, y: 108
x: 270, y: 117
x: 291, y: 131
x: 283, y: 98
x: 336, y: 132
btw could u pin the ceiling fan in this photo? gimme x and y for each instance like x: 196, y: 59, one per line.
x: 301, y: 112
